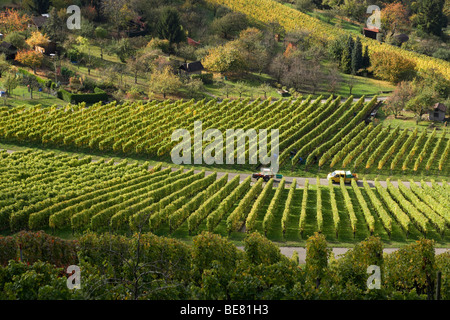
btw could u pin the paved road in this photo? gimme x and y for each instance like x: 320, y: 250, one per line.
x: 301, y: 180
x: 288, y: 251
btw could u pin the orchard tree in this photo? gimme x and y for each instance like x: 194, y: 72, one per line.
x: 86, y: 46
x: 396, y: 103
x: 194, y: 87
x: 16, y: 39
x: 4, y: 65
x: 37, y: 39
x: 11, y: 82
x: 164, y: 82
x: 100, y: 36
x: 142, y: 62
x: 253, y: 49
x: 422, y: 102
x: 12, y: 21
x: 31, y: 83
x: 394, y: 18
x: 265, y: 88
x: 118, y: 13
x: 241, y: 88
x: 225, y: 59
x: 229, y: 25
x: 30, y: 58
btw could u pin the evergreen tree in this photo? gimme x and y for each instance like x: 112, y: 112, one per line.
x: 346, y: 58
x: 169, y: 26
x: 430, y: 16
x: 55, y: 26
x: 366, y: 59
x: 357, y: 56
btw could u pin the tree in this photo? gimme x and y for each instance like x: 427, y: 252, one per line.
x: 254, y: 51
x: 11, y: 82
x: 241, y: 88
x: 122, y: 48
x: 346, y: 57
x: 164, y: 82
x: 404, y: 92
x: 141, y: 62
x: 351, y: 83
x: 85, y: 45
x: 31, y: 83
x: 12, y: 21
x: 226, y: 88
x: 265, y: 88
x: 30, y: 58
x: 118, y: 13
x: 16, y: 39
x: 229, y: 25
x: 422, y: 102
x: 366, y: 58
x: 278, y: 67
x: 226, y: 58
x: 391, y: 66
x: 355, y: 9
x: 394, y: 17
x: 4, y: 65
x: 336, y: 47
x: 37, y: 39
x: 36, y: 6
x: 334, y: 78
x: 430, y: 17
x: 194, y: 87
x: 357, y: 56
x: 55, y: 26
x: 100, y: 35
x: 169, y: 26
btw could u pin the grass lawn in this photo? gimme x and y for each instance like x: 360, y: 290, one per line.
x: 407, y: 120
x: 21, y: 96
x: 363, y: 86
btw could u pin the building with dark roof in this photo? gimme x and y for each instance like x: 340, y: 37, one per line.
x: 8, y: 49
x: 195, y: 67
x: 38, y: 21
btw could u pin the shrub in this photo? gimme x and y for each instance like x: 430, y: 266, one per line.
x: 207, y: 248
x: 352, y: 267
x: 207, y: 78
x: 412, y: 267
x: 260, y: 250
x: 391, y: 66
x: 317, y: 254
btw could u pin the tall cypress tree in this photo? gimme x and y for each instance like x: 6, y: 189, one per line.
x: 169, y: 26
x: 366, y: 58
x: 357, y: 56
x: 346, y: 58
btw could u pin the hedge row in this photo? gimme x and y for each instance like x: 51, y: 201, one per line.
x: 97, y: 96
